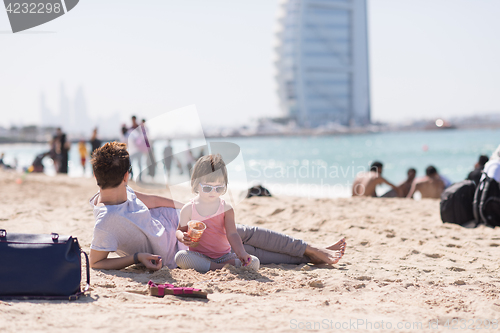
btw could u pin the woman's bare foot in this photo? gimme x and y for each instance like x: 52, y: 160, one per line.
x: 339, y: 246
x: 320, y: 255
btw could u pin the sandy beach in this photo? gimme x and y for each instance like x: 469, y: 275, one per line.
x: 403, y: 269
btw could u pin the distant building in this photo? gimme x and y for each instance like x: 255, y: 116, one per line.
x: 74, y: 119
x: 322, y: 62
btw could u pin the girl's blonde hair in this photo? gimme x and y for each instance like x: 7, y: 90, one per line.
x: 209, y: 168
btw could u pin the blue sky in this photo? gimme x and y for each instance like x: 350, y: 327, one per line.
x: 428, y: 58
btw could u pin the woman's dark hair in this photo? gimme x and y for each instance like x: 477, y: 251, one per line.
x: 110, y: 163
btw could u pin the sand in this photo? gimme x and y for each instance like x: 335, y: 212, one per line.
x: 402, y: 270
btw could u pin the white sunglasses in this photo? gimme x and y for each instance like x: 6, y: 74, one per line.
x: 210, y: 188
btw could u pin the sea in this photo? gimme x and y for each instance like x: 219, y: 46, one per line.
x: 306, y: 166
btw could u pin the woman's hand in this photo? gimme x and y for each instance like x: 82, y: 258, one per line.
x: 149, y: 260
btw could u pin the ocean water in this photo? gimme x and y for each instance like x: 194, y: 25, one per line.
x: 321, y: 166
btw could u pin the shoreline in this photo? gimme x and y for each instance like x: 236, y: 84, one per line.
x: 300, y: 133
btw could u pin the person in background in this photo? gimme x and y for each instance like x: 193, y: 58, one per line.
x: 137, y: 146
x: 149, y: 152
x: 492, y: 167
x: 404, y: 187
x: 2, y: 163
x: 53, y: 152
x: 124, y: 133
x: 167, y: 158
x: 366, y: 182
x: 94, y: 141
x: 37, y: 165
x: 62, y: 151
x: 429, y: 186
x: 475, y: 175
x: 82, y: 149
x: 134, y: 123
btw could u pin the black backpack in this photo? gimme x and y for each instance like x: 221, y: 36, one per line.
x: 486, y: 204
x: 258, y: 191
x: 456, y: 203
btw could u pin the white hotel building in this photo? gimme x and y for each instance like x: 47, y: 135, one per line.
x: 322, y: 62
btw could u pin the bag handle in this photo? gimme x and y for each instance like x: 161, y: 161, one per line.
x: 87, y: 266
x: 87, y: 285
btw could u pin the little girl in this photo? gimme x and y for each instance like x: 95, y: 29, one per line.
x: 213, y: 250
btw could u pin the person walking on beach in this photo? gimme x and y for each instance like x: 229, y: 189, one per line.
x: 141, y: 228
x: 366, y: 182
x: 149, y: 152
x: 62, y: 147
x: 82, y: 149
x: 134, y: 123
x: 429, y: 186
x: 94, y: 141
x: 213, y: 250
x: 404, y: 187
x: 137, y: 146
x: 53, y: 154
x: 124, y: 133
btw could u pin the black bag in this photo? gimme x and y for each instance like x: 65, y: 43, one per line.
x: 38, y: 266
x: 486, y: 204
x: 456, y: 203
x: 258, y: 191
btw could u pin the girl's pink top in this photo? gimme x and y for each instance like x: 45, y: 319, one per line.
x: 213, y: 243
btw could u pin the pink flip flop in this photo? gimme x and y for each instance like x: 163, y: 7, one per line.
x: 160, y: 290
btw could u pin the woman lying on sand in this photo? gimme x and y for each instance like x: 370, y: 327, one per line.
x: 141, y: 228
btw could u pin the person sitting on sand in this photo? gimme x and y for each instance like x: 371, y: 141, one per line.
x: 429, y: 186
x: 475, y: 175
x: 492, y: 167
x: 366, y: 182
x: 2, y: 163
x: 141, y: 228
x: 37, y: 165
x: 213, y: 249
x: 404, y: 187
